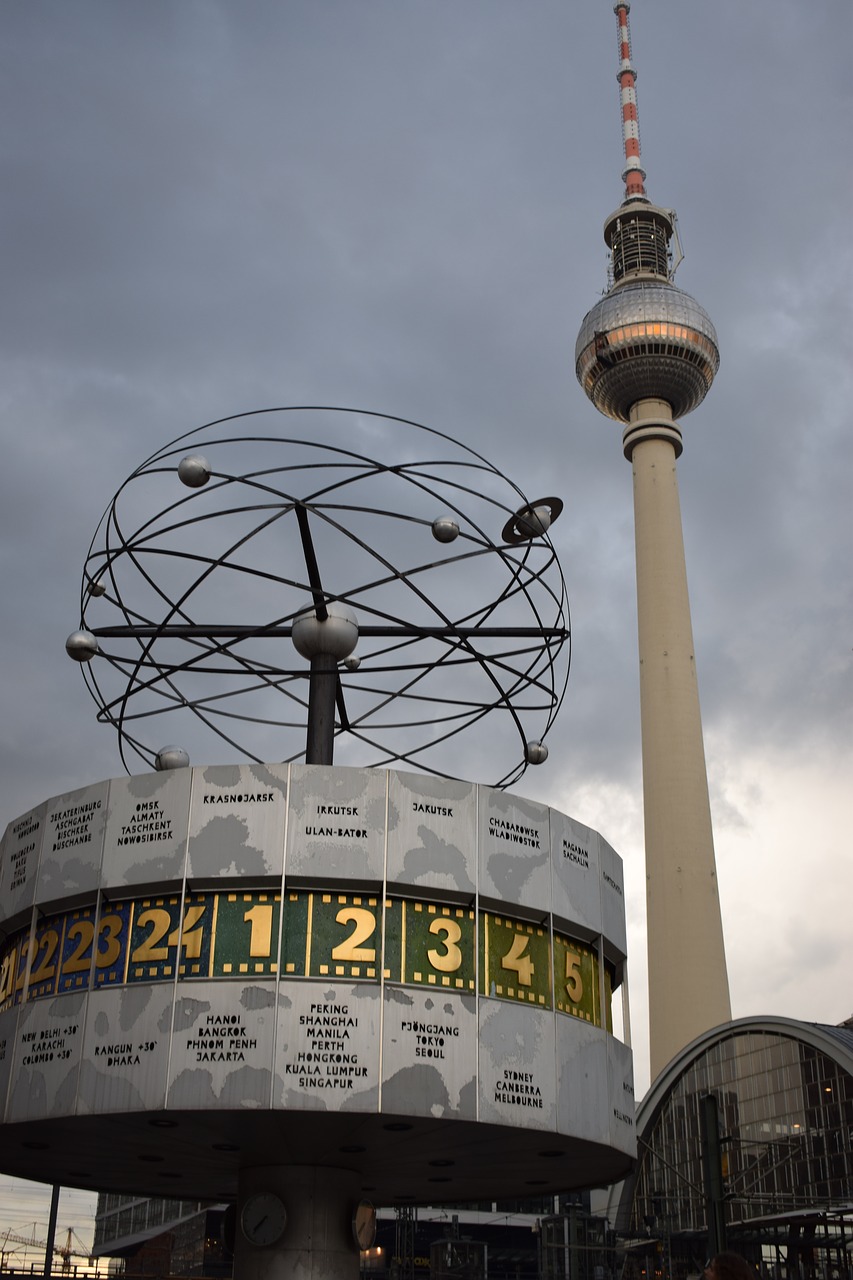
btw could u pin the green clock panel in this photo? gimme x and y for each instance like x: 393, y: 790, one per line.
x: 46, y: 957
x: 576, y: 980
x: 111, y: 943
x: 430, y: 944
x: 78, y: 938
x: 295, y: 956
x: 12, y: 972
x: 515, y: 960
x: 344, y: 936
x: 154, y: 938
x: 197, y: 935
x: 245, y: 928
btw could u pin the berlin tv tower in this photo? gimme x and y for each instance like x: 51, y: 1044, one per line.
x: 646, y: 355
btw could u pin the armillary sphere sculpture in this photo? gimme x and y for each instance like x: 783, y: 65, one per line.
x: 419, y: 583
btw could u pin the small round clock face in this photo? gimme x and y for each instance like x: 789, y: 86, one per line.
x: 263, y: 1219
x: 364, y: 1224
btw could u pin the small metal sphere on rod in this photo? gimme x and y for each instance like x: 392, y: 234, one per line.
x: 81, y: 646
x: 171, y: 757
x: 326, y: 642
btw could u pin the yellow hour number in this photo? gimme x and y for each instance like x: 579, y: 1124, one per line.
x: 148, y: 951
x: 48, y: 943
x: 191, y: 933
x: 260, y: 919
x: 22, y: 965
x: 451, y: 959
x: 78, y: 961
x: 516, y: 960
x: 7, y: 974
x: 574, y: 981
x: 109, y: 937
x: 160, y: 920
x: 364, y: 923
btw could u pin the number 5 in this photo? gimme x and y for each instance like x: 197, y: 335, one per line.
x: 574, y: 981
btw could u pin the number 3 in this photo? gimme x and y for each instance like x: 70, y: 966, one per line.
x: 451, y: 960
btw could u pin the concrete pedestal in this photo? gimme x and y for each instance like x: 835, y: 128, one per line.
x: 317, y: 1243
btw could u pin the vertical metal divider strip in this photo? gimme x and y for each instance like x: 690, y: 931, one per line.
x: 552, y: 976
x: 382, y: 901
x: 14, y: 1044
x: 12, y: 972
x: 214, y: 924
x: 477, y: 947
x: 99, y: 897
x: 309, y: 926
x: 28, y: 972
x: 131, y: 916
x: 84, y: 1016
x: 25, y: 989
x: 282, y: 908
x: 11, y: 1049
x: 626, y: 1007
x: 34, y: 916
x: 180, y: 940
x: 602, y: 986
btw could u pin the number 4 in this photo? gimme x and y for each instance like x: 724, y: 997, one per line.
x: 191, y: 934
x: 517, y: 960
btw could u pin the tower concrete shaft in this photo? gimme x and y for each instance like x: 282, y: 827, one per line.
x: 688, y: 981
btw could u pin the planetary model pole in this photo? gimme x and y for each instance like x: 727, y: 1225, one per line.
x: 646, y: 354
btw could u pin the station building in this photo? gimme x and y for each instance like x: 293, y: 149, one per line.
x: 784, y: 1094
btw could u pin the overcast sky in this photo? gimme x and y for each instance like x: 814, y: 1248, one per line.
x: 211, y: 206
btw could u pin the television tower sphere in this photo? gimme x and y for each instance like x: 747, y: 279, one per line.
x: 646, y: 339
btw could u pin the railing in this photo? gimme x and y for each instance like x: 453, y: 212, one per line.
x: 35, y: 1271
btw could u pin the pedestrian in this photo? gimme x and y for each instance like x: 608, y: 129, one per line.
x: 728, y: 1266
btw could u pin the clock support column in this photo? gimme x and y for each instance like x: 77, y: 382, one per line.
x: 317, y: 1242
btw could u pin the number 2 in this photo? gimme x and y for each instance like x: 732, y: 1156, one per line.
x: 364, y: 923
x: 48, y: 942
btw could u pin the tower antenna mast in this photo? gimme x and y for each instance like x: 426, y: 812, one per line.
x: 634, y: 175
x: 647, y: 354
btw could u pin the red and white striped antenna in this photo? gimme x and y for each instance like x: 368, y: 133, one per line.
x: 634, y: 175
